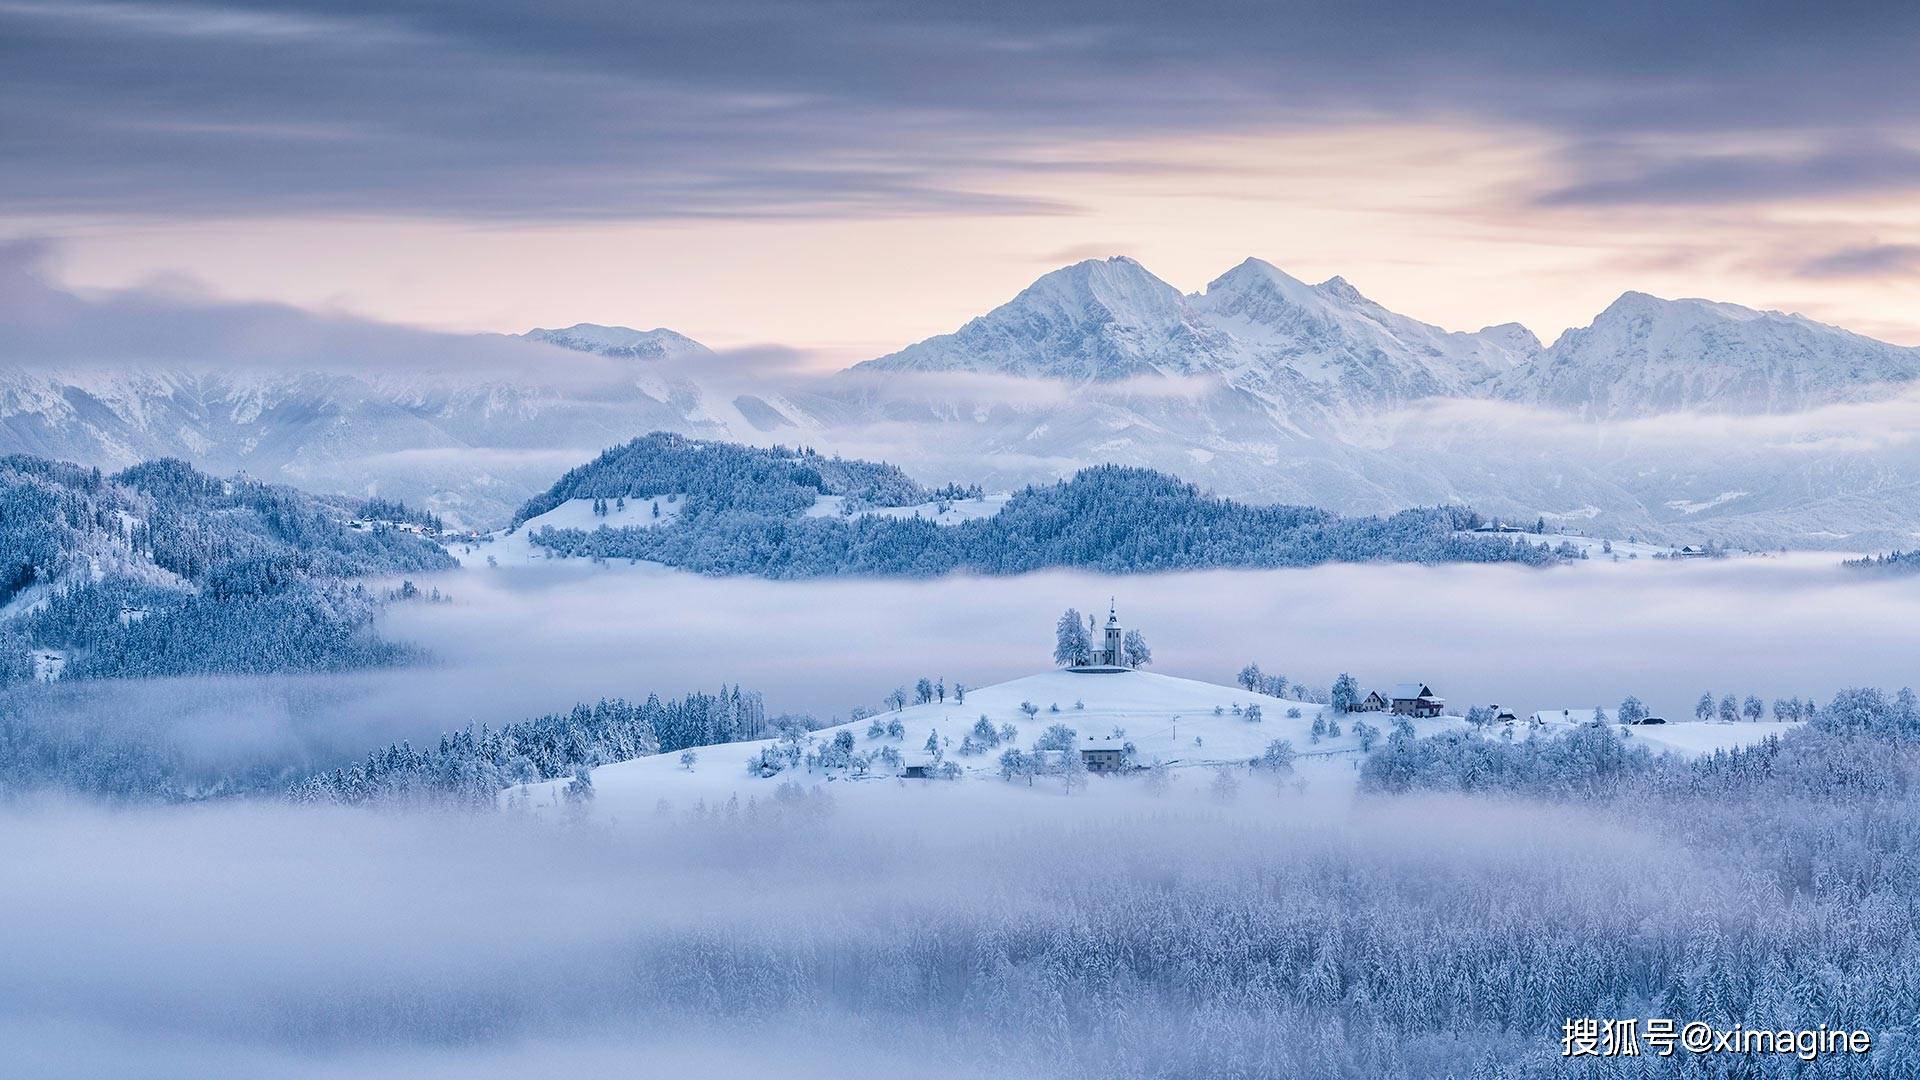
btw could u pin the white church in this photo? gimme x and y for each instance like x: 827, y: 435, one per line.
x: 1109, y: 651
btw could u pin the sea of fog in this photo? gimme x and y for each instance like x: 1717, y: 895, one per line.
x: 536, y: 639
x: 519, y: 642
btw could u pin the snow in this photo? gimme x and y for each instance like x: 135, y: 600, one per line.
x: 1688, y: 738
x: 1183, y: 723
x: 942, y: 512
x: 48, y: 664
x: 1687, y: 507
x: 514, y: 547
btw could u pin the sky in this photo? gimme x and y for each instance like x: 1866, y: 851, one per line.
x: 844, y: 178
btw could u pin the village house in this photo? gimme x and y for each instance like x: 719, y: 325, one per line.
x: 1416, y: 700
x: 1103, y: 753
x: 1375, y: 701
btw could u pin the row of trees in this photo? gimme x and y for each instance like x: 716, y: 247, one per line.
x: 1731, y: 709
x: 470, y: 767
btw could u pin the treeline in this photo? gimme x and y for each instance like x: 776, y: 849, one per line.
x: 727, y: 478
x: 470, y: 767
x: 1893, y: 562
x: 162, y: 570
x: 248, y: 625
x: 1109, y: 518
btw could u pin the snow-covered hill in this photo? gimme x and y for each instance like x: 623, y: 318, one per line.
x: 1181, y: 723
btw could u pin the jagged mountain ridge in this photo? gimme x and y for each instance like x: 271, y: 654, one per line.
x: 1319, y: 346
x: 1328, y: 347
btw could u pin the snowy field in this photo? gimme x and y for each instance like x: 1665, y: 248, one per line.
x: 512, y: 547
x: 942, y: 512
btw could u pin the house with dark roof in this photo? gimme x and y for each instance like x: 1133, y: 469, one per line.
x: 1416, y: 700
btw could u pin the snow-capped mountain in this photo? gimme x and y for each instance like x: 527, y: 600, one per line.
x: 621, y: 342
x: 1292, y: 344
x: 1644, y: 356
x: 1260, y: 386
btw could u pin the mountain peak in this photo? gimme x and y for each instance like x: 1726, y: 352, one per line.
x: 619, y: 341
x: 1338, y: 288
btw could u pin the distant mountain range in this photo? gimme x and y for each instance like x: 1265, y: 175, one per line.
x: 1326, y: 346
x: 1261, y: 387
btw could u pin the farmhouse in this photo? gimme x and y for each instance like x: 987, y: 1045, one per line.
x: 1416, y: 700
x: 1375, y: 701
x: 1104, y: 753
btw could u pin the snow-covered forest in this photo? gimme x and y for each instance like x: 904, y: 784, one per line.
x: 744, y: 512
x: 162, y: 570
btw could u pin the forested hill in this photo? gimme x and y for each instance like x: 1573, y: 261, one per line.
x: 745, y: 513
x: 719, y: 477
x: 163, y: 570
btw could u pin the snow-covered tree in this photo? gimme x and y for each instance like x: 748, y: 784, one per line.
x: 1730, y: 709
x: 1249, y: 677
x: 1133, y: 649
x: 1366, y: 733
x: 1319, y: 729
x: 1056, y: 737
x: 1346, y: 693
x: 1703, y: 709
x: 1226, y: 786
x: 1753, y: 708
x: 1277, y: 758
x: 687, y: 759
x: 1073, y: 645
x: 1632, y: 711
x: 923, y: 691
x: 1073, y: 769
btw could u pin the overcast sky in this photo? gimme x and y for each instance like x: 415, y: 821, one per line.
x: 848, y: 176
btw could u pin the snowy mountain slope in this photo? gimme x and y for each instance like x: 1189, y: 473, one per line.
x: 1098, y: 319
x: 1644, y: 356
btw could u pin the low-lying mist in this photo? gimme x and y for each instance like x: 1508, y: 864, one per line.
x: 1039, y: 936
x: 519, y: 643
